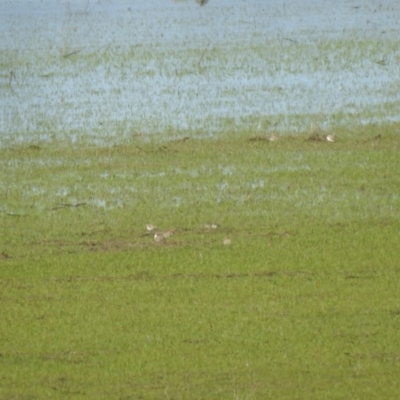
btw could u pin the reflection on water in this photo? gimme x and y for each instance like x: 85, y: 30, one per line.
x: 106, y: 70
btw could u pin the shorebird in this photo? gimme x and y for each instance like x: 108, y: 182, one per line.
x: 227, y: 241
x: 158, y: 237
x: 150, y: 227
x: 167, y: 233
x: 273, y: 138
x: 330, y: 138
x: 211, y: 225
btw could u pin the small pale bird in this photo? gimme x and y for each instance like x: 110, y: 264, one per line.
x: 330, y: 138
x: 211, y: 225
x: 167, y: 233
x: 273, y: 138
x: 227, y: 241
x: 158, y: 237
x: 150, y: 227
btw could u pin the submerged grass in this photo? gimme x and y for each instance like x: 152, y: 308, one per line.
x: 219, y: 84
x: 302, y: 304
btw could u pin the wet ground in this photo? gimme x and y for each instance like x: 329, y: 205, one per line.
x: 105, y: 71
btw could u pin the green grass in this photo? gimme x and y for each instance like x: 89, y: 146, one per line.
x: 304, y: 304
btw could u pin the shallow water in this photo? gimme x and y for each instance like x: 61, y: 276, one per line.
x: 105, y: 71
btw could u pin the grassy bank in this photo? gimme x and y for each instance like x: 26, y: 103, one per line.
x: 303, y: 304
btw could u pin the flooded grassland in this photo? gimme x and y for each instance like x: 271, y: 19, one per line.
x: 106, y: 71
x: 260, y: 138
